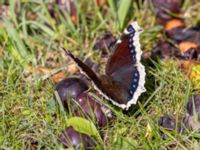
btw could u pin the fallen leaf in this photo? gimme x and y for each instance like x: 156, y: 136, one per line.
x: 72, y: 68
x: 106, y: 43
x: 42, y: 70
x: 182, y: 33
x: 164, y: 9
x: 164, y: 50
x: 191, y: 54
x: 186, y: 45
x: 174, y: 23
x: 54, y: 74
x: 58, y: 76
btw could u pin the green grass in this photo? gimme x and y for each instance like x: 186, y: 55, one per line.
x: 25, y: 113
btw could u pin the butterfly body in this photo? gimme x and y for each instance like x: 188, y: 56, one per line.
x: 124, y: 77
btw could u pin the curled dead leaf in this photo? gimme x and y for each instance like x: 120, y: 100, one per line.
x: 174, y: 23
x: 164, y: 50
x: 182, y: 33
x: 165, y: 8
x: 106, y: 43
x: 186, y: 45
x: 191, y: 54
x: 54, y: 74
x: 42, y: 70
x: 58, y: 76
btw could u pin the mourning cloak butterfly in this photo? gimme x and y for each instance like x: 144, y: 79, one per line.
x: 124, y: 78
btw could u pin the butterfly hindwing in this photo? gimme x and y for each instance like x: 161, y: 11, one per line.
x: 124, y: 64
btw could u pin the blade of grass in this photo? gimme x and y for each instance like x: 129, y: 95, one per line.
x: 13, y: 4
x: 43, y: 27
x: 123, y: 9
x: 12, y: 33
x: 113, y: 8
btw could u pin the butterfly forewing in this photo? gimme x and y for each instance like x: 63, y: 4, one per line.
x: 122, y: 66
x: 121, y: 56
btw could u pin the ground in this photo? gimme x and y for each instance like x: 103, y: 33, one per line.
x: 29, y: 48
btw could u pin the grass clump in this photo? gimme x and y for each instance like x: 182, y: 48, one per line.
x: 30, y: 38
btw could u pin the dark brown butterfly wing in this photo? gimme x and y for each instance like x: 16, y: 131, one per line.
x: 103, y: 85
x: 83, y: 67
x: 124, y: 79
x: 124, y: 64
x: 108, y: 88
x: 120, y: 57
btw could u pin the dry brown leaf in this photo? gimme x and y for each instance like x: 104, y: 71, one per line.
x: 186, y: 45
x: 186, y: 65
x: 54, y: 75
x: 42, y: 70
x: 74, y: 19
x: 73, y: 11
x: 58, y: 76
x: 72, y: 68
x: 174, y: 23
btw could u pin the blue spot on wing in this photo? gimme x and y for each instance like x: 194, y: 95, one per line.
x: 135, y: 74
x: 131, y: 29
x: 131, y: 47
x: 134, y: 83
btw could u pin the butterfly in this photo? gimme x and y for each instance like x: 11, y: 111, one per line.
x: 124, y: 78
